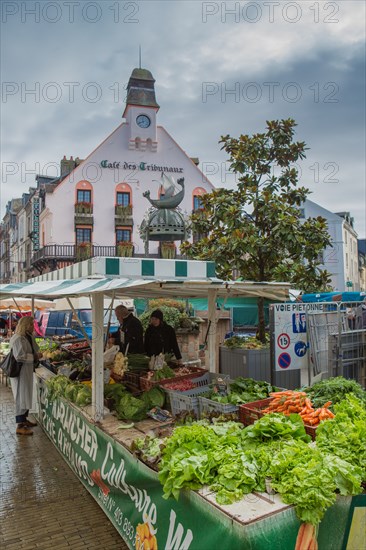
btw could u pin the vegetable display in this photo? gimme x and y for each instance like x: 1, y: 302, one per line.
x: 306, y: 538
x: 289, y: 402
x: 138, y: 362
x: 245, y: 343
x: 334, y: 390
x: 61, y: 386
x: 160, y: 374
x: 242, y: 390
x: 180, y: 385
x: 234, y: 461
x: 120, y: 364
x: 345, y: 435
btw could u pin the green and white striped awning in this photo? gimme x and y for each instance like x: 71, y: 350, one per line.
x: 144, y: 288
x: 140, y: 278
x: 133, y: 268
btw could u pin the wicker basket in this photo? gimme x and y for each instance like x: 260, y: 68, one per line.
x: 250, y: 412
x: 146, y: 384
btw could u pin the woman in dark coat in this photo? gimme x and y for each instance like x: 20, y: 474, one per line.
x: 160, y: 337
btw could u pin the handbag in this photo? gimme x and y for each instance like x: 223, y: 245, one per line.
x: 35, y: 354
x: 10, y: 365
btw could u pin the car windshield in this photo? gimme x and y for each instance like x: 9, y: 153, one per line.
x: 86, y: 317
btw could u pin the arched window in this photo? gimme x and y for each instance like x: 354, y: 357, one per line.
x: 123, y: 234
x: 197, y: 194
x: 84, y: 192
x: 123, y: 195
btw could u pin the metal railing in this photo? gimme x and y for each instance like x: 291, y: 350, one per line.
x: 64, y: 252
x: 337, y: 336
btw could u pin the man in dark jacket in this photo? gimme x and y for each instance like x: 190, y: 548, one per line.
x: 130, y: 336
x: 160, y: 337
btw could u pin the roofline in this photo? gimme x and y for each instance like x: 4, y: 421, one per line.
x: 189, y: 158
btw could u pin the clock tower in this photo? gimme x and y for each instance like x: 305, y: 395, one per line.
x: 140, y: 111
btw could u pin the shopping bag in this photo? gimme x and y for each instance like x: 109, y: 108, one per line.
x: 10, y: 365
x: 109, y: 355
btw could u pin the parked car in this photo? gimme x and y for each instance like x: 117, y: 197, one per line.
x: 64, y: 322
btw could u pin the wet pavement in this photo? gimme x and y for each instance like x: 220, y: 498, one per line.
x: 42, y: 503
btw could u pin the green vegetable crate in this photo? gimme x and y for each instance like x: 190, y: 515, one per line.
x: 146, y: 384
x: 250, y: 412
x: 181, y: 401
x: 207, y: 406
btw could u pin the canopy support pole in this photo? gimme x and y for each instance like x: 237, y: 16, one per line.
x: 110, y: 311
x: 212, y: 324
x: 32, y: 306
x: 97, y: 357
x: 78, y: 321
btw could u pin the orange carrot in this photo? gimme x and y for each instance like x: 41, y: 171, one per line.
x: 307, y: 536
x: 328, y: 404
x: 300, y: 535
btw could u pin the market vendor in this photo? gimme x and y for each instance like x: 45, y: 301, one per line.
x: 160, y: 337
x: 130, y: 336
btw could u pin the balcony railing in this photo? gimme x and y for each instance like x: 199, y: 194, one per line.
x: 84, y: 208
x: 72, y: 253
x: 123, y: 214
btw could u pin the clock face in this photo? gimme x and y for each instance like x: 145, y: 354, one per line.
x: 143, y: 121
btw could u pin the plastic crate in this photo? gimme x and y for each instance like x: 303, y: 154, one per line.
x: 250, y: 412
x: 207, y: 405
x: 187, y: 400
x: 146, y: 384
x: 184, y: 401
x: 203, y: 380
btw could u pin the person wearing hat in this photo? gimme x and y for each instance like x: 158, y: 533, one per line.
x: 130, y: 336
x: 160, y: 337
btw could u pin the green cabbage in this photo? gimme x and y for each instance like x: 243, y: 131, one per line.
x: 155, y: 397
x: 131, y: 408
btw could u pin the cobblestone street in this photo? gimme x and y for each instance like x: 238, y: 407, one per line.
x: 42, y: 503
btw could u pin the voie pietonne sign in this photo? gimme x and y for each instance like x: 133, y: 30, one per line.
x: 290, y: 335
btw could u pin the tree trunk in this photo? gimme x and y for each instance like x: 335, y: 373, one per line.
x: 261, y: 335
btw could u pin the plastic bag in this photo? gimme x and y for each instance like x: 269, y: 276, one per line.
x: 110, y: 354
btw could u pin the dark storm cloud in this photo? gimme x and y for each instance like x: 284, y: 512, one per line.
x: 323, y: 63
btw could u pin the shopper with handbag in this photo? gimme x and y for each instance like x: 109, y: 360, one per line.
x: 26, y: 353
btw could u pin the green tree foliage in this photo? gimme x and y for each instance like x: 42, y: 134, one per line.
x: 255, y: 230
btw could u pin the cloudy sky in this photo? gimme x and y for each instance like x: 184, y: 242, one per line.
x: 220, y: 68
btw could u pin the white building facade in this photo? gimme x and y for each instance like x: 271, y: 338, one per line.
x: 341, y: 259
x: 101, y: 203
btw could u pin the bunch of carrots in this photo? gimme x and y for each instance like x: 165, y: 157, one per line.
x: 288, y: 402
x: 306, y: 538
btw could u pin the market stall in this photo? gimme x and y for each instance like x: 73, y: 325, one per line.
x: 100, y: 449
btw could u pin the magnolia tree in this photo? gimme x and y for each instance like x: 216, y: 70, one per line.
x: 255, y: 230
